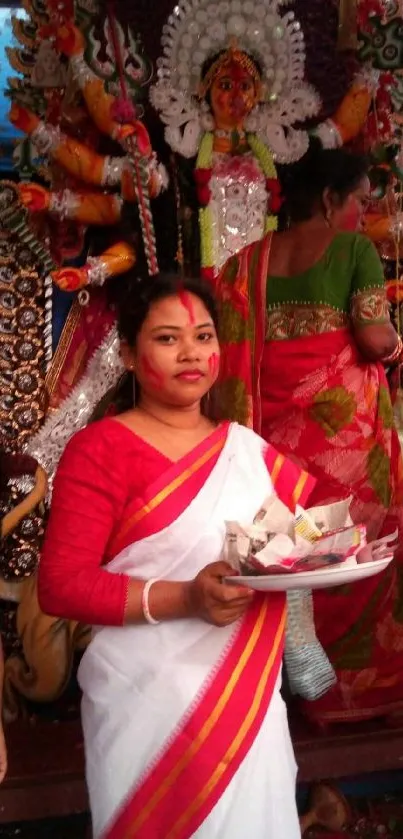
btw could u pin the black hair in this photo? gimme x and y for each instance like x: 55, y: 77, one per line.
x: 140, y: 291
x: 304, y: 183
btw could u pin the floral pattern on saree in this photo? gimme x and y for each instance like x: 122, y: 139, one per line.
x: 334, y: 417
x: 290, y: 321
x: 385, y: 407
x: 353, y: 653
x: 297, y: 320
x: 231, y: 323
x: 233, y: 392
x: 369, y: 306
x: 233, y: 296
x: 333, y: 409
x: 338, y: 423
x: 379, y: 473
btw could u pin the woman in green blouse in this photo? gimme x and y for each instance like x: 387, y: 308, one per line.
x: 306, y: 334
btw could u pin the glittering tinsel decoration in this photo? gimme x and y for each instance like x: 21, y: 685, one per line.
x: 103, y: 372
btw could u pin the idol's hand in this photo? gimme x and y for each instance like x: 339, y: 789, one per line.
x: 215, y: 601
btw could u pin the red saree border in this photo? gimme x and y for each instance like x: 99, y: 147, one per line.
x: 241, y: 290
x: 259, y: 316
x: 291, y: 483
x: 170, y: 494
x: 177, y: 795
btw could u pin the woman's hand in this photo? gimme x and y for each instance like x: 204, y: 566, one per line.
x: 215, y: 601
x: 206, y: 597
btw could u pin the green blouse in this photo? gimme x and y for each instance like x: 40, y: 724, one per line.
x: 346, y: 285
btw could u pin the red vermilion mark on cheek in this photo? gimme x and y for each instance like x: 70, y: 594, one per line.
x: 213, y: 364
x: 153, y: 375
x: 351, y: 216
x: 187, y: 303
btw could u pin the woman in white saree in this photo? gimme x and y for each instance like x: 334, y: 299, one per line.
x: 186, y: 733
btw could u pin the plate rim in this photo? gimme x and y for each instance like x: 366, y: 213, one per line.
x: 303, y: 574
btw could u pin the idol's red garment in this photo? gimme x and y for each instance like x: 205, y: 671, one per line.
x: 103, y: 468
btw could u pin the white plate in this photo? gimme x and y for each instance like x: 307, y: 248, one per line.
x: 322, y: 578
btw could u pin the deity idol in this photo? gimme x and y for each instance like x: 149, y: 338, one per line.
x: 90, y: 191
x: 236, y: 179
x: 231, y: 87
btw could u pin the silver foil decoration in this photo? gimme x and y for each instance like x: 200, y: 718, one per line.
x: 113, y: 171
x: 103, y: 372
x: 24, y: 483
x: 310, y: 673
x: 64, y: 203
x: 98, y: 271
x: 238, y: 204
x: 46, y: 138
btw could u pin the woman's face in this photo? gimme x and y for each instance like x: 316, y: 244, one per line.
x: 349, y: 216
x: 233, y: 95
x: 177, y: 355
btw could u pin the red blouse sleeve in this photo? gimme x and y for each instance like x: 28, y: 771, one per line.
x: 89, y: 496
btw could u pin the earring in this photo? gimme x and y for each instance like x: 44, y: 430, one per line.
x: 328, y: 218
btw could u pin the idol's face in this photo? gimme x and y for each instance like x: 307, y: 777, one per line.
x: 233, y: 95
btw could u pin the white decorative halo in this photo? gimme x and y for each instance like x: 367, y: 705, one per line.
x: 193, y: 35
x: 197, y: 30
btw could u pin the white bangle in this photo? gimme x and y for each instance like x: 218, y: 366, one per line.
x: 144, y: 602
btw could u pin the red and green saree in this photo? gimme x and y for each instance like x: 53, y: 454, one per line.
x: 291, y: 369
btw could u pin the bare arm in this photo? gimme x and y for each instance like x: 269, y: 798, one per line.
x: 376, y: 341
x: 373, y: 331
x: 206, y: 597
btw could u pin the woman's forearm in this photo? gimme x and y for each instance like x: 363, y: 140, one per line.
x: 166, y: 601
x: 96, y: 597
